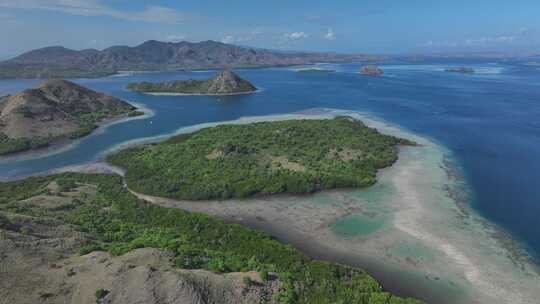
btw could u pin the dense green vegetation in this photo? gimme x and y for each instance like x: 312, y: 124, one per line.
x: 116, y: 221
x: 13, y: 145
x: 190, y: 86
x: 296, y: 156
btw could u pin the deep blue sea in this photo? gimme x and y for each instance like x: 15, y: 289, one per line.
x: 489, y: 120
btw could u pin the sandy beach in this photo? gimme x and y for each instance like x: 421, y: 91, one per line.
x: 408, y: 230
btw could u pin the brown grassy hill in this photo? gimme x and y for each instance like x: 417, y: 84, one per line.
x: 55, y: 109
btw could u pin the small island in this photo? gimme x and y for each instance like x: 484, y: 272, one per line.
x: 264, y: 158
x: 54, y: 111
x: 371, y: 70
x: 224, y: 83
x: 315, y: 70
x: 464, y: 70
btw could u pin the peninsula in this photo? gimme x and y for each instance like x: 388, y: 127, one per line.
x: 371, y: 70
x: 224, y: 83
x: 56, y: 110
x: 84, y: 238
x: 238, y: 161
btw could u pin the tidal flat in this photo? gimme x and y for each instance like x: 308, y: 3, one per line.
x: 414, y: 230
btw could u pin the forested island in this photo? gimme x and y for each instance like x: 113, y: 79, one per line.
x: 79, y: 238
x: 238, y: 161
x: 56, y: 110
x: 224, y: 83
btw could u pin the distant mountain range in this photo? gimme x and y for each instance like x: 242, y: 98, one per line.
x: 58, y: 61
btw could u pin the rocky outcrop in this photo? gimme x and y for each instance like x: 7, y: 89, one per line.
x: 228, y: 82
x: 371, y: 70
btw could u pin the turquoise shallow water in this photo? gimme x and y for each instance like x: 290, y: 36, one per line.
x: 359, y: 225
x: 374, y: 215
x: 489, y: 121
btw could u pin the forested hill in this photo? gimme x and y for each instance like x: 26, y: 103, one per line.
x: 295, y: 156
x: 58, y: 61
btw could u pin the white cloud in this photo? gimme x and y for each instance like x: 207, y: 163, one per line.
x: 156, y: 14
x: 330, y: 35
x: 295, y: 35
x: 175, y: 38
x: 473, y: 42
x: 242, y: 37
x: 490, y: 40
x: 256, y: 32
x: 228, y: 39
x: 520, y: 36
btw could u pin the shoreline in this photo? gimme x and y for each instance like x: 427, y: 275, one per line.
x: 260, y: 214
x: 287, y: 220
x: 64, y: 144
x: 196, y: 94
x: 426, y: 246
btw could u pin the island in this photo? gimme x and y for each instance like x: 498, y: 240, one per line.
x: 224, y: 83
x: 464, y: 70
x: 56, y: 110
x: 264, y: 158
x: 315, y: 70
x: 371, y: 70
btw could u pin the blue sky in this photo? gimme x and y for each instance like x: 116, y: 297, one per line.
x: 383, y: 26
